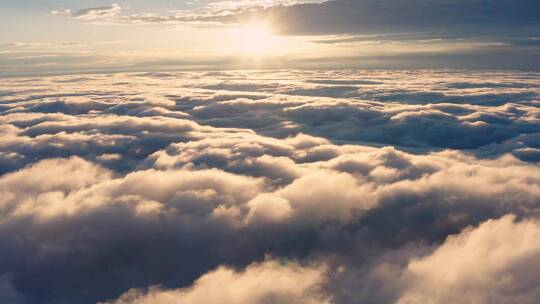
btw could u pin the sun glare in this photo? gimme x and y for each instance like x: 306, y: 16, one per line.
x: 256, y: 40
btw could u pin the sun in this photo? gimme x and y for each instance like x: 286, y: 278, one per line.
x: 255, y: 40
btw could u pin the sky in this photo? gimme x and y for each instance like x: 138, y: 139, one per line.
x: 269, y: 152
x: 62, y: 36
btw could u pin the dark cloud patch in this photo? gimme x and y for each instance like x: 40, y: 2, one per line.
x: 463, y: 17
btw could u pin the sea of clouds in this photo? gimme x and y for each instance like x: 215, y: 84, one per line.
x: 270, y: 187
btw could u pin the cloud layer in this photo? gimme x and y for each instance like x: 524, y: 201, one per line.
x: 270, y: 187
x: 461, y: 18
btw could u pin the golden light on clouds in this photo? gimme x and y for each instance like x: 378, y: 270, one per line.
x: 269, y: 151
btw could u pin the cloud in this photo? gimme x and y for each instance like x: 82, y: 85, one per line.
x: 8, y: 293
x: 268, y: 282
x: 96, y: 13
x: 61, y: 11
x: 215, y: 9
x: 347, y: 16
x: 342, y: 34
x: 147, y: 203
x: 492, y: 263
x: 412, y: 114
x: 236, y: 219
x: 397, y: 19
x: 352, y: 184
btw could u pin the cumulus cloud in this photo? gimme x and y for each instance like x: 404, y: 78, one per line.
x: 274, y: 186
x: 268, y: 282
x: 493, y: 263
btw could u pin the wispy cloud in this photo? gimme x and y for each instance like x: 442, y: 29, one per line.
x: 210, y: 13
x: 104, y: 12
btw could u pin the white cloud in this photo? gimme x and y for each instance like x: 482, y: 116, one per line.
x: 61, y: 11
x: 368, y: 173
x: 268, y: 282
x: 211, y: 13
x: 496, y: 262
